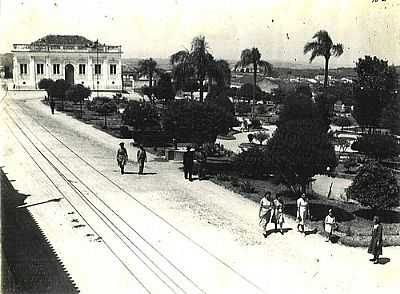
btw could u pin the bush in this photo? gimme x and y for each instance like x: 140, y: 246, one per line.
x: 252, y: 163
x: 256, y: 123
x: 289, y: 194
x: 141, y: 115
x: 250, y: 137
x: 235, y: 182
x: 247, y: 187
x: 125, y: 132
x: 261, y: 136
x: 151, y: 137
x: 375, y: 186
x: 377, y: 146
x: 243, y: 108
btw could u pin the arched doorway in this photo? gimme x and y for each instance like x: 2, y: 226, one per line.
x: 69, y: 74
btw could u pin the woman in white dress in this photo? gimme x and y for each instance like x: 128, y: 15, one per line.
x: 302, y: 213
x: 279, y: 219
x: 266, y: 210
x: 330, y: 224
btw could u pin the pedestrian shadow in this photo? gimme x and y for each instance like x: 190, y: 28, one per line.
x: 142, y: 174
x: 383, y: 260
x: 39, y: 203
x: 271, y: 231
x: 311, y: 232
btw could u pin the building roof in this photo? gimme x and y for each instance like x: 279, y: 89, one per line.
x: 62, y: 40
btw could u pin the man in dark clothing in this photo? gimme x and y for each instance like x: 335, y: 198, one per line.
x: 188, y: 163
x: 52, y: 105
x: 122, y: 157
x: 141, y: 158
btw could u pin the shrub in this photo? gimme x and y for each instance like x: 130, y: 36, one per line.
x: 375, y: 186
x: 243, y: 108
x: 247, y: 187
x: 125, y: 132
x: 252, y: 163
x: 289, y: 194
x: 377, y: 146
x: 256, y: 123
x: 141, y: 115
x: 235, y: 182
x: 261, y: 136
x: 223, y: 178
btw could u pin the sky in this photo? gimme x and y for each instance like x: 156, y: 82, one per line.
x: 158, y: 28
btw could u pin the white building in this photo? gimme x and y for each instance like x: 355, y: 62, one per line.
x: 73, y: 58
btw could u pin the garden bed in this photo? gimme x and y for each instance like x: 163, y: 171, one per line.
x: 355, y: 221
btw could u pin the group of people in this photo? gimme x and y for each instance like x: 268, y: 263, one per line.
x: 271, y: 210
x: 189, y: 157
x: 122, y: 158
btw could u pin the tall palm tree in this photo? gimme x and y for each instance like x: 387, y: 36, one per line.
x: 148, y: 67
x: 253, y: 57
x: 323, y: 46
x: 198, y: 59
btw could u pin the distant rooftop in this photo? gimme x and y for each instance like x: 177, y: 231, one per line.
x: 62, y: 40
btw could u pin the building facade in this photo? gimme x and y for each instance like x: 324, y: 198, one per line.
x: 73, y: 58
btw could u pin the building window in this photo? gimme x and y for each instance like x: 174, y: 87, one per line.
x: 82, y: 69
x: 23, y: 69
x: 56, y: 69
x: 39, y: 69
x: 97, y: 69
x: 113, y: 69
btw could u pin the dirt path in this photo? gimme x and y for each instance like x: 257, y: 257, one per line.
x: 194, y: 237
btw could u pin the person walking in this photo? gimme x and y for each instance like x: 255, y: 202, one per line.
x: 188, y: 163
x: 265, y: 211
x: 201, y: 160
x: 122, y: 157
x: 375, y: 245
x: 330, y: 224
x: 278, y: 214
x: 141, y: 158
x: 52, y: 105
x: 303, y: 213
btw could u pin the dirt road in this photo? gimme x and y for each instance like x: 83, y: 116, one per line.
x: 156, y: 233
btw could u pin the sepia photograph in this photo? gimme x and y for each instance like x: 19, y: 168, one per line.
x: 200, y: 146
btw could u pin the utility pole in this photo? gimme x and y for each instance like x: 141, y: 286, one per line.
x: 97, y: 64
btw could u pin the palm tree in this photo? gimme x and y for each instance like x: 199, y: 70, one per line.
x: 148, y: 67
x: 219, y: 70
x: 323, y: 46
x: 197, y: 59
x: 253, y: 56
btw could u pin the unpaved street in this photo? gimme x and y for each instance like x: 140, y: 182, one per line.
x: 156, y: 233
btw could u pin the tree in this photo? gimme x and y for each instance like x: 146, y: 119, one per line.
x: 45, y: 84
x: 164, y: 89
x: 350, y: 163
x: 247, y: 91
x: 140, y: 115
x: 342, y: 121
x: 196, y: 122
x: 219, y: 98
x: 377, y: 146
x: 148, y: 67
x: 252, y: 163
x: 323, y: 46
x: 298, y: 150
x: 261, y: 136
x: 374, y: 91
x: 58, y: 89
x: 375, y: 186
x: 250, y: 137
x: 197, y: 61
x: 253, y: 57
x: 219, y: 70
x: 106, y: 108
x: 78, y: 93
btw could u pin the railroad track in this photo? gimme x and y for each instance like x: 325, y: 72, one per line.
x: 114, y: 221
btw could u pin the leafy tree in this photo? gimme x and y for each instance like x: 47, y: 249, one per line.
x: 390, y: 118
x: 377, y: 146
x: 342, y: 121
x: 375, y: 186
x: 140, y: 115
x: 58, y: 89
x: 300, y: 149
x: 106, y: 108
x: 255, y: 123
x: 198, y: 64
x: 164, y: 89
x: 45, y: 84
x: 148, y: 67
x: 219, y: 70
x: 350, y: 163
x: 261, y: 136
x: 78, y: 93
x: 323, y: 46
x: 243, y: 107
x: 149, y: 92
x: 374, y: 91
x: 246, y: 91
x: 252, y: 163
x: 253, y: 57
x: 219, y: 97
x: 196, y: 122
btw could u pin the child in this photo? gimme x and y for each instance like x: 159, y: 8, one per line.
x: 330, y: 224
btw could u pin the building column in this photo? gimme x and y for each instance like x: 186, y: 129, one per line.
x: 32, y: 72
